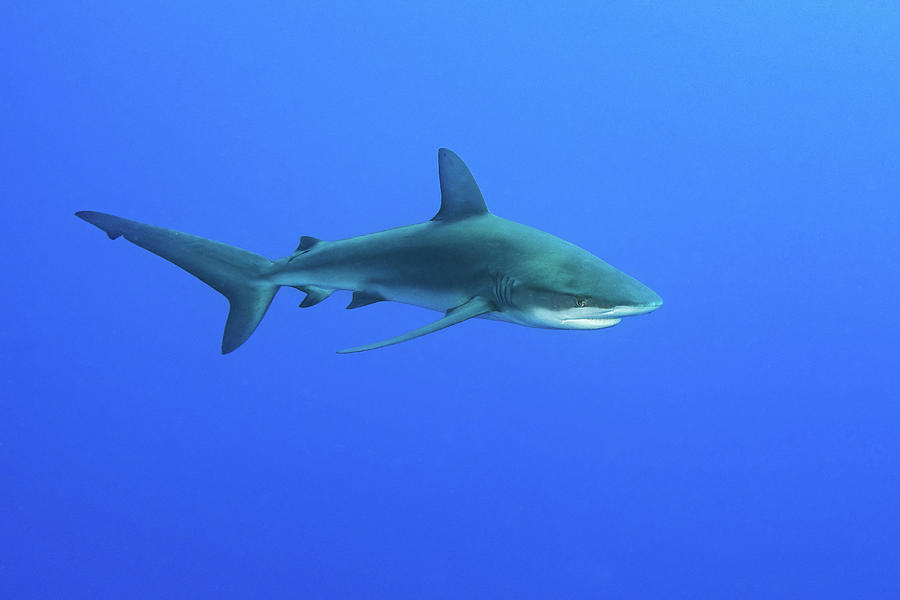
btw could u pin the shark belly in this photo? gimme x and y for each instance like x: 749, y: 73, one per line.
x: 440, y: 300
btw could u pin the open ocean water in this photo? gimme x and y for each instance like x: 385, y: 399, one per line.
x: 741, y: 442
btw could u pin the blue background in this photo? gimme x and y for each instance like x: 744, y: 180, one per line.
x: 741, y: 442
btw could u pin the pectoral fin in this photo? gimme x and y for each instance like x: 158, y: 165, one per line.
x: 473, y: 308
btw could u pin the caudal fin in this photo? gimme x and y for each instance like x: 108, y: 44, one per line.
x: 239, y: 275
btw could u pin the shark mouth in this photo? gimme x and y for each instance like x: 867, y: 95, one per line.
x: 599, y: 319
x: 589, y: 323
x: 618, y: 312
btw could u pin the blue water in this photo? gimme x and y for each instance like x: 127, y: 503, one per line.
x: 741, y: 442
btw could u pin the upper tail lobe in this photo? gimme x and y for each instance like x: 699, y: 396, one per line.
x: 239, y: 275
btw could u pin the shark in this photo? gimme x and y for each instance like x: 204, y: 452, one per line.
x: 465, y: 263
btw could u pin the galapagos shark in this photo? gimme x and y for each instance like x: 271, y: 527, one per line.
x: 465, y: 262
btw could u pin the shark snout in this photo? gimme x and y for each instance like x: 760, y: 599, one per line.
x: 643, y: 309
x: 641, y: 300
x: 653, y: 301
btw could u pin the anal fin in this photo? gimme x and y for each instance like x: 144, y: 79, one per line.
x: 363, y: 299
x: 473, y: 308
x: 314, y: 295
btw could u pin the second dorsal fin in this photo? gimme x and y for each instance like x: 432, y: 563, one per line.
x: 460, y: 196
x: 306, y: 243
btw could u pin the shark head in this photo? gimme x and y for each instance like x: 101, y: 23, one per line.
x: 576, y: 290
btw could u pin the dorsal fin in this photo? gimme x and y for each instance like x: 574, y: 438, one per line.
x: 307, y: 242
x: 460, y: 196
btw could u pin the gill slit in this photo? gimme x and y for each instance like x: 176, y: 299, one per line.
x: 502, y: 290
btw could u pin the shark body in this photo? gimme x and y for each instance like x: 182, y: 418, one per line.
x: 465, y: 262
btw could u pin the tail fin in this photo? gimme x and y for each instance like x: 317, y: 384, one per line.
x: 237, y: 274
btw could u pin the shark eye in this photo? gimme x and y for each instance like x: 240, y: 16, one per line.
x: 580, y: 302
